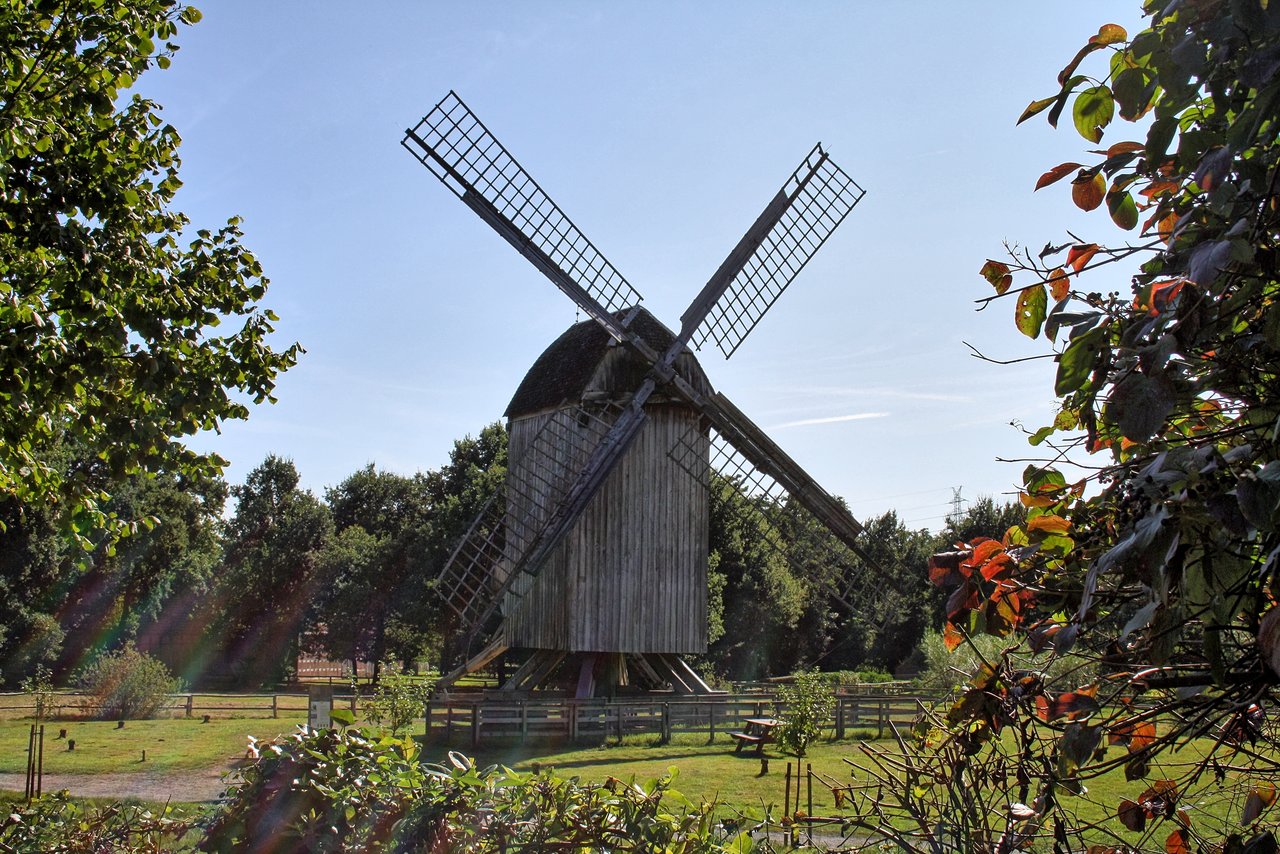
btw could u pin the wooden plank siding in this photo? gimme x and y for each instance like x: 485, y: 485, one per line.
x: 632, y: 574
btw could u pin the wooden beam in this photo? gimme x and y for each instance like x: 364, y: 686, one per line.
x: 587, y: 677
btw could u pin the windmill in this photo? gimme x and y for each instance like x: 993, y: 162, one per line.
x: 593, y: 555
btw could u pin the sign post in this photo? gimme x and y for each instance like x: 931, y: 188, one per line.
x: 320, y: 707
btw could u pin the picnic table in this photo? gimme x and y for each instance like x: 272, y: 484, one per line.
x: 758, y: 731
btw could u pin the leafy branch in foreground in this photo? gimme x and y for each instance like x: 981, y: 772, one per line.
x: 112, y: 344
x: 1159, y: 568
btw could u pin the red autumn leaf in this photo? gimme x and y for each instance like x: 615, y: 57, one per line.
x: 1137, y: 736
x: 1125, y: 148
x: 951, y: 636
x: 999, y: 567
x: 1088, y: 192
x: 1166, y: 226
x: 983, y: 550
x: 1071, y: 705
x: 1059, y: 284
x: 1056, y: 174
x: 1160, y: 188
x: 1179, y: 842
x: 945, y: 568
x: 1131, y: 815
x: 1080, y: 255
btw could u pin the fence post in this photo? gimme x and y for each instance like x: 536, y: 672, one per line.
x: 191, y: 701
x: 524, y: 721
x: 880, y: 715
x: 839, y: 718
x: 711, y: 718
x: 572, y: 709
x: 666, y: 723
x: 475, y: 724
x: 275, y: 705
x: 426, y: 724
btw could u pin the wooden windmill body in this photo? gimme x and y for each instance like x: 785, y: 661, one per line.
x: 595, y: 551
x: 631, y: 575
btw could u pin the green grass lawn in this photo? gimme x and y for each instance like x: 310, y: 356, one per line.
x: 171, y: 744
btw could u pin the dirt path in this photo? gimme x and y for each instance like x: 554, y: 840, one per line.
x: 204, y: 784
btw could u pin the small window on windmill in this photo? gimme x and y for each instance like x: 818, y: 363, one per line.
x: 584, y: 419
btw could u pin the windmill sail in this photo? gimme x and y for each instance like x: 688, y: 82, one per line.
x: 794, y: 225
x: 748, y: 495
x: 455, y: 145
x: 493, y: 555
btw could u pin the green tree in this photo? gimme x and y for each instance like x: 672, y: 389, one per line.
x: 761, y: 598
x: 119, y: 332
x: 268, y: 582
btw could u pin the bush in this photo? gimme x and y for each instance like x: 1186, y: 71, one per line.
x: 809, y: 702
x: 349, y: 790
x: 398, y: 699
x: 128, y: 684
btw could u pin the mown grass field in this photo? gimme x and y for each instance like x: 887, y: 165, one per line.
x: 706, y: 772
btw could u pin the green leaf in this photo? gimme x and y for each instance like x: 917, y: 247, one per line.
x: 1124, y: 212
x: 1036, y: 107
x: 1078, y: 361
x: 1033, y: 302
x: 997, y: 274
x: 1092, y: 111
x: 1140, y: 403
x: 343, y: 716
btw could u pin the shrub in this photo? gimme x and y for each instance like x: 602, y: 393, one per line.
x: 128, y: 684
x: 40, y: 686
x: 398, y: 699
x: 56, y: 823
x: 809, y: 702
x: 349, y: 790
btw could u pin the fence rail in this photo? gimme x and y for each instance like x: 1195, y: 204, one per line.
x: 193, y: 704
x: 474, y: 719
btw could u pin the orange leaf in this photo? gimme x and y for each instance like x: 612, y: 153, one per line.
x: 1166, y: 226
x: 1178, y: 842
x: 1049, y: 524
x: 1080, y: 255
x: 1088, y: 192
x: 1056, y: 174
x: 951, y: 636
x: 1059, y: 284
x: 1260, y: 797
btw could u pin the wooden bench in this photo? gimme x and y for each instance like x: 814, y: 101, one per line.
x: 758, y: 731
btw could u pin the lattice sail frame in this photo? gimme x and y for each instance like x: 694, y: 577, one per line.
x: 821, y: 195
x: 859, y: 588
x: 485, y: 566
x: 459, y: 150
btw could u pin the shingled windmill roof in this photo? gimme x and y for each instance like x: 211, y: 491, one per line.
x: 565, y: 369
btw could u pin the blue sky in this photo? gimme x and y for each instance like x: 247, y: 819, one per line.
x: 662, y: 129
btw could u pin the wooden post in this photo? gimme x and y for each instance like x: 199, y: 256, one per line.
x: 666, y: 723
x: 448, y: 722
x: 711, y: 717
x: 191, y: 700
x: 839, y: 718
x: 880, y: 715
x: 572, y: 709
x: 786, y: 798
x: 524, y: 721
x: 475, y: 724
x: 275, y: 705
x: 809, y: 789
x: 426, y: 725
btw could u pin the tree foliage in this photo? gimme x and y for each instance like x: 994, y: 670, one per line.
x: 121, y: 332
x: 1162, y: 562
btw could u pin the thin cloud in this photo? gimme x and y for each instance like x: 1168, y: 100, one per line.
x: 834, y: 419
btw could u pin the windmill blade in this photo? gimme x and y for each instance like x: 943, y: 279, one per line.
x: 488, y: 560
x: 794, y: 225
x: 782, y: 523
x: 459, y: 150
x: 764, y: 454
x: 540, y: 508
